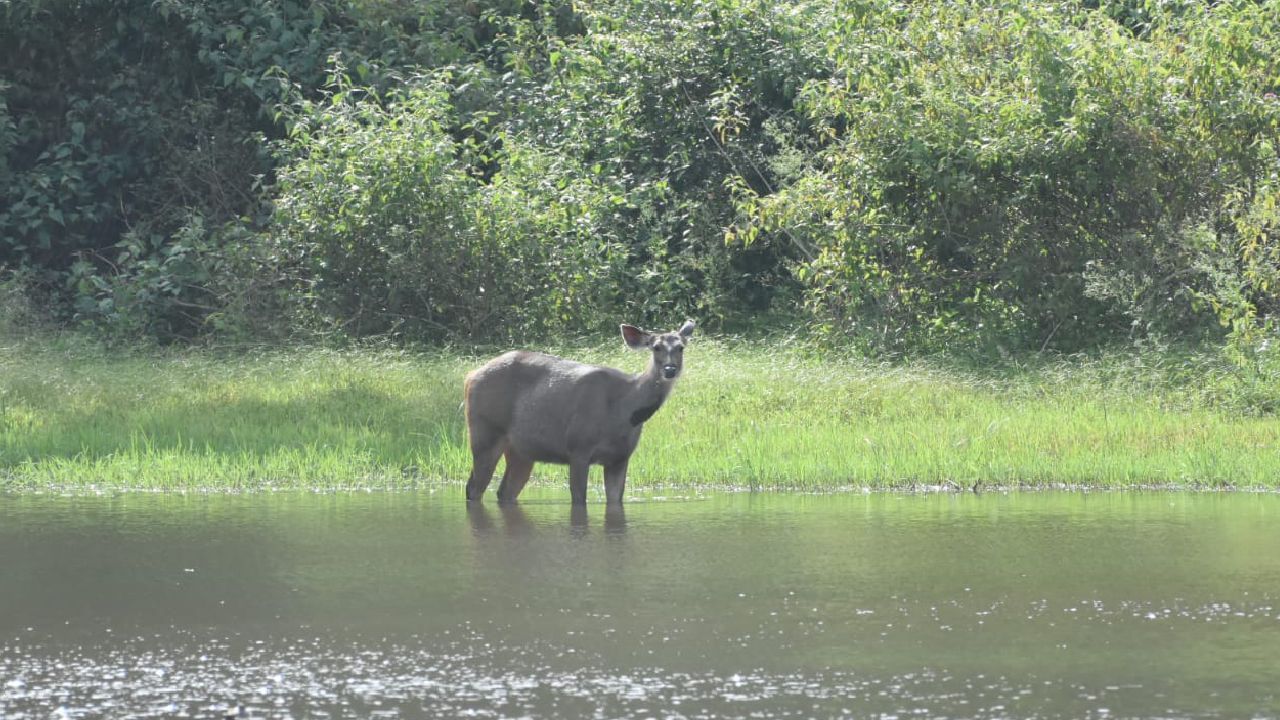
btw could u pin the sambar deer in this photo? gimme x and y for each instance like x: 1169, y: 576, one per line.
x: 533, y: 408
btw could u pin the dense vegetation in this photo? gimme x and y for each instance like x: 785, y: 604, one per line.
x: 895, y: 176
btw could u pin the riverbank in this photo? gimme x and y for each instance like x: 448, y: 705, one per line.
x: 746, y: 415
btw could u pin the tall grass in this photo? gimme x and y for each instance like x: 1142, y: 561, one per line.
x: 745, y: 415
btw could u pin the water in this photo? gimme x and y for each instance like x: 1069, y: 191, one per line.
x: 409, y: 605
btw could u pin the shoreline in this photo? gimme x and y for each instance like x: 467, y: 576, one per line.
x: 667, y: 493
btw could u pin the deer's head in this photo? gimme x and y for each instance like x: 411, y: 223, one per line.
x: 667, y: 348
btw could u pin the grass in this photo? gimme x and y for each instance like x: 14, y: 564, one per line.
x: 745, y: 415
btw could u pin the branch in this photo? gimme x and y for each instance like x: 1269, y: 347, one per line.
x: 808, y: 252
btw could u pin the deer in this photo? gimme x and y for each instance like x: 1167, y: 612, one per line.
x: 530, y: 407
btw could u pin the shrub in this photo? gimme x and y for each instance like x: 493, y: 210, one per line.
x: 395, y: 231
x: 121, y: 120
x: 1033, y: 173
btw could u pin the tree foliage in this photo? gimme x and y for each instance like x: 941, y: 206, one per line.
x: 388, y: 217
x: 1034, y: 172
x: 896, y: 175
x: 132, y: 132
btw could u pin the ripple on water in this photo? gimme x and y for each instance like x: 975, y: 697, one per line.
x: 185, y: 676
x: 1028, y: 605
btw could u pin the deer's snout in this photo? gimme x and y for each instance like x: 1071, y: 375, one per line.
x: 670, y: 371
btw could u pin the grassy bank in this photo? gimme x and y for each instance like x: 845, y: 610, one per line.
x: 774, y: 418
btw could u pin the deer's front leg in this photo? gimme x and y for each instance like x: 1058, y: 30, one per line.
x: 578, y: 482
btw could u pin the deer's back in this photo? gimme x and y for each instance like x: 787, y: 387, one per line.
x: 527, y: 392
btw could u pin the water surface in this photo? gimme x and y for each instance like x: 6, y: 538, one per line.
x: 734, y: 605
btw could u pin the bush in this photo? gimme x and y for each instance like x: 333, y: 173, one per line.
x: 21, y: 308
x: 680, y: 103
x: 194, y: 282
x: 902, y: 177
x: 395, y: 231
x: 121, y: 120
x: 1034, y: 174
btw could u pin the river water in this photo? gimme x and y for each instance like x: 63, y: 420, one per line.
x: 413, y: 605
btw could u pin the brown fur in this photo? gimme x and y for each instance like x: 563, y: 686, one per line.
x: 529, y: 407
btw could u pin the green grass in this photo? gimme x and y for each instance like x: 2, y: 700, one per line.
x: 745, y: 415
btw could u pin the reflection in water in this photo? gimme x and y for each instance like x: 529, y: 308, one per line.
x: 421, y: 605
x: 515, y: 521
x: 481, y: 518
x: 579, y: 521
x: 615, y: 520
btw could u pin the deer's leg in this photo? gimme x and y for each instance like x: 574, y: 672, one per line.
x: 514, y: 477
x: 578, y: 482
x: 486, y: 448
x: 615, y: 481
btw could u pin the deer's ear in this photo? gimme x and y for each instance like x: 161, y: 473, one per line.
x: 635, y: 338
x: 686, y: 330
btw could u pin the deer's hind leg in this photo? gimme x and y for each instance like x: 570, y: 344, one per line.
x: 487, y: 445
x: 514, y: 477
x: 615, y: 481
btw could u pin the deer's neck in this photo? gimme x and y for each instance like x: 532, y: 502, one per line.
x: 649, y: 391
